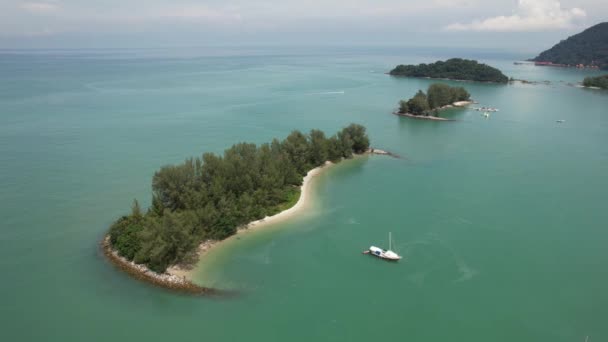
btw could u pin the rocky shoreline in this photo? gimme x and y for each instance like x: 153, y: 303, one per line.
x: 423, y: 117
x: 165, y: 280
x: 184, y: 271
x: 382, y: 153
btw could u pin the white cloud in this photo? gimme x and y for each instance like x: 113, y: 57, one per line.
x: 203, y: 12
x: 531, y: 15
x: 39, y: 7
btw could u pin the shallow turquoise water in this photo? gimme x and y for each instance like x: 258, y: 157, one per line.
x: 500, y: 220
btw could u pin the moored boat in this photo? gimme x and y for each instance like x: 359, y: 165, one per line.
x: 384, y: 254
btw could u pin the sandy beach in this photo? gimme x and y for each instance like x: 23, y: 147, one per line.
x: 303, y: 203
x: 462, y: 103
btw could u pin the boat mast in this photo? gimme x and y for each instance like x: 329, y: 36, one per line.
x: 389, y: 241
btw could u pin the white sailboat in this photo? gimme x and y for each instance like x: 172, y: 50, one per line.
x: 384, y: 254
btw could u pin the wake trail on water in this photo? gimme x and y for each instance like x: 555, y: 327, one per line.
x: 341, y: 92
x: 352, y: 220
x: 420, y: 263
x: 466, y: 271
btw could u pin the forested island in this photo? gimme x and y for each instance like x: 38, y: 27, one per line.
x: 437, y: 96
x: 588, y: 49
x: 211, y: 197
x: 453, y: 69
x: 596, y: 82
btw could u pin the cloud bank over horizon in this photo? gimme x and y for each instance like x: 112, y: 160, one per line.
x: 530, y: 15
x: 182, y: 22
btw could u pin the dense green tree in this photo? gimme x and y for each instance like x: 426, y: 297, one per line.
x: 171, y: 182
x: 454, y: 69
x: 125, y: 231
x: 335, y: 150
x: 403, y: 107
x: 345, y: 144
x: 460, y: 94
x: 210, y: 197
x: 599, y: 82
x: 319, y: 147
x: 157, y: 207
x: 360, y: 140
x: 136, y: 213
x: 418, y: 105
x: 439, y: 95
x: 166, y: 241
x: 296, y: 145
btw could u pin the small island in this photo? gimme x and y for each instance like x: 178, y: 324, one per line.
x: 453, y: 69
x: 588, y: 49
x: 208, y: 199
x: 599, y: 82
x: 438, y: 96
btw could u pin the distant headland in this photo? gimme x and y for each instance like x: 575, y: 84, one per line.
x: 427, y: 105
x: 205, y: 200
x: 588, y: 49
x: 452, y: 69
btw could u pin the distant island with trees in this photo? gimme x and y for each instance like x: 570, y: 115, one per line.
x: 588, y: 49
x: 438, y: 96
x: 453, y: 69
x: 209, y: 198
x: 600, y: 82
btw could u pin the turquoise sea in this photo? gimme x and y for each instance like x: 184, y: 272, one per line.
x: 502, y: 221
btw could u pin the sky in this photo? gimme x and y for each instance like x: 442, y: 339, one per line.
x: 520, y: 24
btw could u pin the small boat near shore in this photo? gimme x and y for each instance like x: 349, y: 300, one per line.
x: 486, y: 109
x: 384, y: 254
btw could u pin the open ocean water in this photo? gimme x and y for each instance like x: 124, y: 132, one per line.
x: 502, y: 221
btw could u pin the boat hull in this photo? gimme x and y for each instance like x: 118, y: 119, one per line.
x: 386, y: 258
x: 382, y: 254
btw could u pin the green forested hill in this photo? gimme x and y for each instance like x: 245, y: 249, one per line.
x: 589, y: 48
x: 453, y: 69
